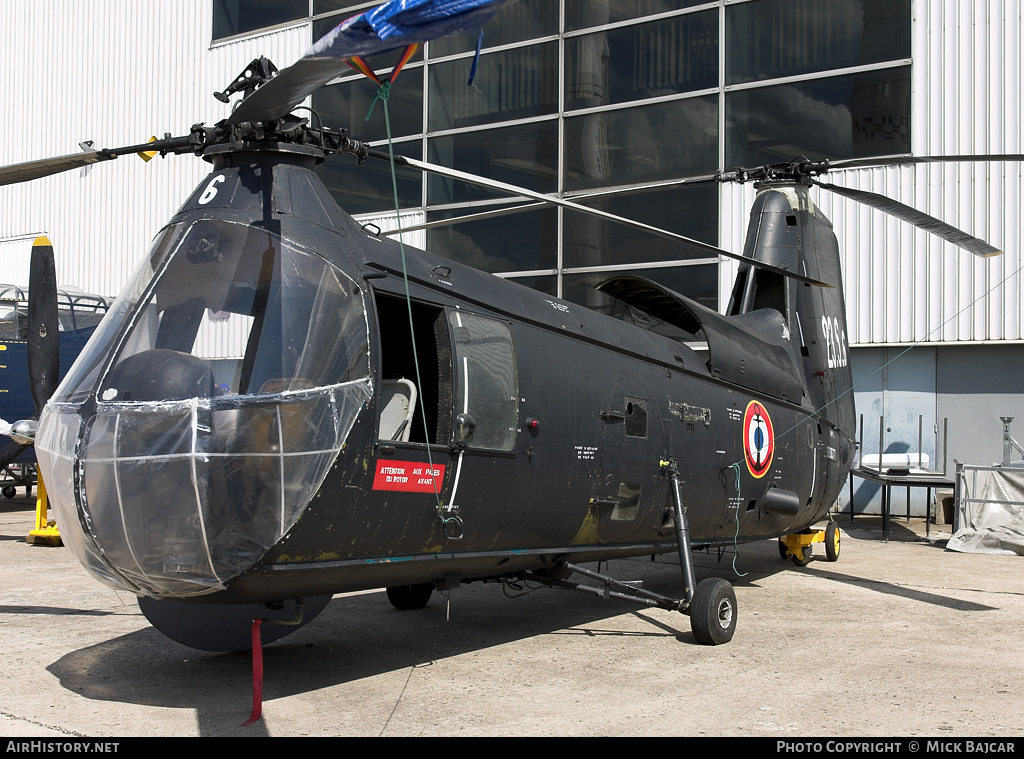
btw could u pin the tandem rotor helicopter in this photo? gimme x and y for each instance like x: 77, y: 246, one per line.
x: 399, y: 420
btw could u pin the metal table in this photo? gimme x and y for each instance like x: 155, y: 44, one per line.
x: 914, y: 478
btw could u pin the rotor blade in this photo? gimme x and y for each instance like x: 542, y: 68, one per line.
x: 390, y: 26
x: 280, y: 95
x: 43, y: 324
x: 864, y: 163
x: 614, y: 193
x: 514, y: 190
x: 917, y: 218
x: 23, y: 172
x: 44, y: 167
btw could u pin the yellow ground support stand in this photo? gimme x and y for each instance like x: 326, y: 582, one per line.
x: 45, y: 532
x: 798, y: 546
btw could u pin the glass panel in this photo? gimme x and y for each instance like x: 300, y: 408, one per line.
x: 636, y: 417
x: 690, y: 211
x: 307, y: 330
x: 547, y: 284
x: 346, y: 105
x: 515, y: 22
x: 504, y: 243
x: 368, y: 188
x: 628, y: 502
x: 525, y: 155
x: 642, y: 144
x: 13, y: 320
x: 580, y: 14
x: 818, y: 36
x: 511, y: 84
x: 697, y: 282
x: 664, y: 57
x: 231, y: 17
x: 487, y: 397
x: 851, y: 116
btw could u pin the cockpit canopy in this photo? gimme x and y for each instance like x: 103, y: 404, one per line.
x: 207, y: 408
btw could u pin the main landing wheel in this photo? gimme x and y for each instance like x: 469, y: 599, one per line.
x: 832, y: 542
x: 409, y: 597
x: 713, y: 612
x: 225, y: 627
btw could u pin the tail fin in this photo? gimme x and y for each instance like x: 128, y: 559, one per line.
x: 788, y: 231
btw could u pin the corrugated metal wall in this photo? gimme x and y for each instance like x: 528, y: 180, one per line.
x: 116, y: 72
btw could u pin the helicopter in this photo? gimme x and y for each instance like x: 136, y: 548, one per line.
x: 398, y: 420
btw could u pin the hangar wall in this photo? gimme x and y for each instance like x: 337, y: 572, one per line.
x: 915, y: 390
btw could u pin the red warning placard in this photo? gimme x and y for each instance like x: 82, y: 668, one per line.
x: 408, y: 476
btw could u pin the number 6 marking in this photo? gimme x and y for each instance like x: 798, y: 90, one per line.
x: 211, y: 190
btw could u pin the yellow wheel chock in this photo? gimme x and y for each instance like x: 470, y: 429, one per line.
x: 45, y: 532
x: 798, y: 546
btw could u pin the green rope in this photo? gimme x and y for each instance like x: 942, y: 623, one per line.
x: 736, y: 536
x: 383, y: 95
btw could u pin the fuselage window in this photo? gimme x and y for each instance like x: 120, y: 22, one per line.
x: 486, y: 397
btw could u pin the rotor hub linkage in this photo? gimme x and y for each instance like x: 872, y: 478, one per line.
x: 798, y: 170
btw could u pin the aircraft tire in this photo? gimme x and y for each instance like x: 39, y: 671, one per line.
x: 713, y: 612
x: 410, y: 597
x: 806, y: 559
x: 782, y: 549
x: 223, y: 628
x: 832, y: 541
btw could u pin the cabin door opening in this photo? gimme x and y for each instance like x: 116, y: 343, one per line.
x: 406, y: 394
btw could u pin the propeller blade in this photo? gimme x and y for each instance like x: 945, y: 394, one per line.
x: 9, y: 451
x: 917, y: 218
x: 866, y: 163
x: 524, y: 192
x: 43, y: 324
x: 389, y: 26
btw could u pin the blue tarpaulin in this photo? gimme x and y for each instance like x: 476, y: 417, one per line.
x: 394, y: 25
x: 399, y: 23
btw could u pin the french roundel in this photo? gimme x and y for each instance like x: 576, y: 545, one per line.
x: 758, y: 439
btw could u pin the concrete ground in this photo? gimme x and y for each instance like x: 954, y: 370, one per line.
x: 900, y: 639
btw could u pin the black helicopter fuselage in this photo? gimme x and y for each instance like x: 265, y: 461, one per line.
x: 540, y: 430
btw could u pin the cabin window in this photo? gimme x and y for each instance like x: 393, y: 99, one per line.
x: 636, y: 417
x: 628, y: 502
x: 486, y: 392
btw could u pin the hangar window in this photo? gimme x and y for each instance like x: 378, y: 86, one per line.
x: 234, y: 17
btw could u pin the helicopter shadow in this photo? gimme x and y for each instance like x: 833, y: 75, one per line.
x: 357, y: 636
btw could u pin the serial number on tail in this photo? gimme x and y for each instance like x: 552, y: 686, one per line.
x: 835, y: 342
